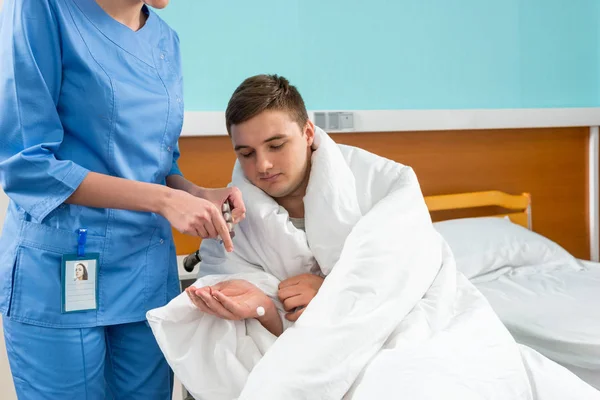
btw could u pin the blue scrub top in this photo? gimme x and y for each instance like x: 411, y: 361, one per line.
x: 81, y: 92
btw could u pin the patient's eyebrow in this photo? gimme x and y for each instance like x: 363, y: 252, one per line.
x: 243, y: 146
x: 276, y: 137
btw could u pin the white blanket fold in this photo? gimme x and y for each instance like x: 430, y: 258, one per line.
x: 393, y: 318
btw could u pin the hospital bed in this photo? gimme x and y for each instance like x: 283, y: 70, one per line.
x: 548, y: 299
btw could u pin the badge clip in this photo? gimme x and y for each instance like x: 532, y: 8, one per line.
x: 81, y: 239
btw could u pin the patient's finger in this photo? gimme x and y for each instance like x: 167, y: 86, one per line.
x: 198, y: 302
x: 197, y: 294
x: 293, y: 302
x: 198, y: 291
x: 288, y: 292
x: 217, y: 307
x: 289, y: 282
x: 295, y: 315
x: 231, y: 306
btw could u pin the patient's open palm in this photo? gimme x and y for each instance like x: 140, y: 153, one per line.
x: 242, y: 292
x: 235, y: 299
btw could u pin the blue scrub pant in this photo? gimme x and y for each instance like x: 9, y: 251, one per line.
x: 111, y: 362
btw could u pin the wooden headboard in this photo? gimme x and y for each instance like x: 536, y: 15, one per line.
x: 548, y: 163
x: 518, y: 206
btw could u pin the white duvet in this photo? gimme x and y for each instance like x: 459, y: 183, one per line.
x: 393, y: 318
x: 553, y: 310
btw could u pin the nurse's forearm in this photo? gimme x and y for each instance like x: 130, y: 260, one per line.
x: 105, y: 191
x: 179, y: 182
x: 189, y: 214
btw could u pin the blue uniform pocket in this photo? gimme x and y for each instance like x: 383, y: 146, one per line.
x: 36, y: 284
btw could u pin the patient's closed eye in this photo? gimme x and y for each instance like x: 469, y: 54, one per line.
x: 248, y: 154
x: 278, y: 146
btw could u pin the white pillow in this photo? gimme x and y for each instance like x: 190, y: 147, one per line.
x: 486, y: 244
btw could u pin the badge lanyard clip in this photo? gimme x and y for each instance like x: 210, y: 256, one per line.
x: 81, y: 239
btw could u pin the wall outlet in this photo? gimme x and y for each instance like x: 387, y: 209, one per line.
x: 337, y: 121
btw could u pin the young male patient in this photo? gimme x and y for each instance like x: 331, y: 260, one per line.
x: 272, y: 137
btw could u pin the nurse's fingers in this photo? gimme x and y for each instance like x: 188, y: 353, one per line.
x: 221, y: 225
x: 237, y: 215
x: 210, y: 229
x: 217, y: 307
x: 201, y: 231
x: 238, y: 208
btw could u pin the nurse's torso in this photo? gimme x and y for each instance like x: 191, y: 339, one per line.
x: 122, y: 111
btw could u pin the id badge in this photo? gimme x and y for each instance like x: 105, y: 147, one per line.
x: 79, y: 279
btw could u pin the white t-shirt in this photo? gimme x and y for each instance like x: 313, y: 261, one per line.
x: 298, y: 222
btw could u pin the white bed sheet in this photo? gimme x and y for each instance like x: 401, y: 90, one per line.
x: 556, y: 312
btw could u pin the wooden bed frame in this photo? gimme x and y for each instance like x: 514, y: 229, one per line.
x: 518, y: 205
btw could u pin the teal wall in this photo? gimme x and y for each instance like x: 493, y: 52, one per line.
x: 394, y: 54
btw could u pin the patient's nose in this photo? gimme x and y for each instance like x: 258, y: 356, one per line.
x: 263, y: 163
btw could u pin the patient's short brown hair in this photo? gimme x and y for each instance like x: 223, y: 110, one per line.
x: 264, y: 92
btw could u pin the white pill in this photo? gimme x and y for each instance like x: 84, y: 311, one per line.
x: 225, y: 207
x: 260, y: 311
x: 227, y: 216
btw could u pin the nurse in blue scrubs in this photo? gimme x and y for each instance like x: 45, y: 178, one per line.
x: 90, y: 115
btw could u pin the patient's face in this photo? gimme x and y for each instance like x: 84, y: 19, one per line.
x: 274, y: 152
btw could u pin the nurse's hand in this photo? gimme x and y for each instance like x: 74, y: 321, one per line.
x: 196, y: 216
x: 220, y: 195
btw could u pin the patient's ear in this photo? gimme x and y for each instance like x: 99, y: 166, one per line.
x: 309, y: 132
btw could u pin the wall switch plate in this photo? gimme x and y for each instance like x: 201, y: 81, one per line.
x: 346, y: 121
x: 321, y: 120
x: 337, y: 121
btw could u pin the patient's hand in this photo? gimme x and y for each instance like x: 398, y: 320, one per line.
x: 237, y: 300
x: 295, y: 293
